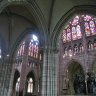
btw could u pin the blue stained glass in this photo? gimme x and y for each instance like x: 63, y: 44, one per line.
x: 78, y: 25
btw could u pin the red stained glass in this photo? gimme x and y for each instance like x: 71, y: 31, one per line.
x: 79, y: 24
x: 87, y: 29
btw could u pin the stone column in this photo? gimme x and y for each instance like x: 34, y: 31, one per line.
x: 11, y: 81
x: 44, y: 73
x: 5, y: 76
x: 49, y: 76
x: 23, y: 69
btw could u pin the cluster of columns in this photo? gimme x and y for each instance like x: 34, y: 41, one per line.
x: 49, y: 75
x: 5, y: 74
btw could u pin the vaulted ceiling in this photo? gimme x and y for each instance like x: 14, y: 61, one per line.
x: 51, y: 10
x: 47, y: 15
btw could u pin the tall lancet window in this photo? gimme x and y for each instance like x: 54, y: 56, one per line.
x: 20, y: 51
x: 17, y: 85
x: 30, y: 85
x: 33, y: 46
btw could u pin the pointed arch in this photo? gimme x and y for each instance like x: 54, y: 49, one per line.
x: 16, y: 83
x: 20, y: 42
x: 75, y: 77
x: 60, y: 25
x: 74, y: 65
x: 37, y: 14
x: 30, y: 83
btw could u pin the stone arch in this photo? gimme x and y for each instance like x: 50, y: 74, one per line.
x: 73, y: 65
x: 91, y: 76
x: 21, y: 37
x: 75, y: 61
x: 36, y: 13
x: 31, y: 74
x: 16, y: 76
x: 74, y: 71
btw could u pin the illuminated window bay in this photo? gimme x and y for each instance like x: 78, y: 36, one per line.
x: 77, y: 26
x: 17, y: 85
x: 33, y: 46
x: 30, y: 86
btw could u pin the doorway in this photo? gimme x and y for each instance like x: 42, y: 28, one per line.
x: 76, y: 79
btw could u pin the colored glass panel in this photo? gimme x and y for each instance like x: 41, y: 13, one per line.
x: 74, y: 33
x: 75, y: 20
x: 64, y: 36
x: 78, y: 25
x: 68, y: 34
x: 20, y: 51
x: 92, y: 27
x: 30, y: 85
x: 78, y: 29
x: 33, y: 47
x: 17, y: 85
x: 87, y: 18
x: 87, y: 29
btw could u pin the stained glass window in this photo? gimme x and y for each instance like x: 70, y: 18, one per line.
x: 74, y: 33
x: 20, y: 51
x: 87, y: 28
x: 30, y: 85
x: 78, y: 29
x: 64, y: 38
x: 33, y: 46
x: 17, y: 85
x: 68, y: 34
x: 90, y: 26
x: 77, y: 26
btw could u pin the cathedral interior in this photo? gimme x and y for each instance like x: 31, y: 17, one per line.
x: 47, y: 47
